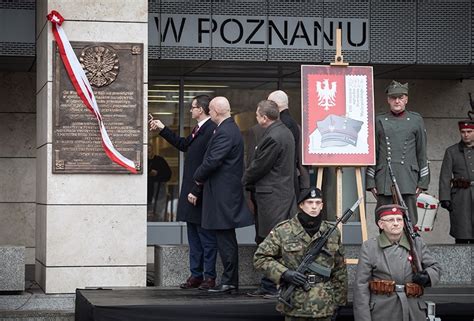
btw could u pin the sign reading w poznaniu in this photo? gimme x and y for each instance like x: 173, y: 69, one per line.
x: 337, y: 116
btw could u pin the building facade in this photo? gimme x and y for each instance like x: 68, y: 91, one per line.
x: 241, y: 49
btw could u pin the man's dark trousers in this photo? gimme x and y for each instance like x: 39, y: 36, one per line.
x: 229, y: 253
x: 202, y: 251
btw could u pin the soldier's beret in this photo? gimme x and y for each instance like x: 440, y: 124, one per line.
x: 395, y: 88
x: 466, y: 124
x: 339, y: 131
x: 389, y: 209
x: 312, y: 192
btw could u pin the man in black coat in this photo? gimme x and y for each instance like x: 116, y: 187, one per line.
x: 301, y: 173
x: 223, y: 203
x: 202, y: 242
x: 270, y: 177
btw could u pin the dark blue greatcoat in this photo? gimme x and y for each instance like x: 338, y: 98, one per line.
x: 221, y: 171
x: 195, y: 149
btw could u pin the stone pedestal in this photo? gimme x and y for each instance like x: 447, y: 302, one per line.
x: 172, y: 264
x: 90, y: 228
x: 12, y: 268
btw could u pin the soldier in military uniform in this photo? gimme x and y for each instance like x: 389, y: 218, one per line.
x: 456, y: 184
x: 386, y: 286
x: 283, y: 250
x: 400, y: 138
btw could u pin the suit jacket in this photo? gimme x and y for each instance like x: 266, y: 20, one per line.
x: 195, y: 149
x: 221, y: 171
x: 403, y: 139
x: 271, y: 176
x: 457, y: 163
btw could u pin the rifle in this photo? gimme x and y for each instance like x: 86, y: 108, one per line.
x: 308, y: 264
x: 408, y: 227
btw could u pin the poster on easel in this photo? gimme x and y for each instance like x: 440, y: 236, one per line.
x: 337, y: 115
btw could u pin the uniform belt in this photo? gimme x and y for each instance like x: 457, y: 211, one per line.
x: 388, y: 287
x: 399, y: 288
x: 461, y: 183
x: 315, y: 278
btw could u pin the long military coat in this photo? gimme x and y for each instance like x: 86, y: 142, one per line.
x: 195, y: 147
x: 379, y: 259
x: 403, y: 139
x: 284, y: 249
x: 271, y: 174
x: 458, y: 162
x: 223, y: 203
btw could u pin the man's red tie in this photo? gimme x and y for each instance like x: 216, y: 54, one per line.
x: 195, y: 129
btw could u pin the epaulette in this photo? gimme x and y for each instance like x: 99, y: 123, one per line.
x: 414, y: 113
x: 283, y: 222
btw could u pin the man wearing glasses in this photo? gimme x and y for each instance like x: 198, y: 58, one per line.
x: 202, y: 242
x: 386, y: 286
x: 400, y: 138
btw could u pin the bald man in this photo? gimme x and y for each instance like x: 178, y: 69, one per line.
x: 223, y: 205
x: 301, y: 173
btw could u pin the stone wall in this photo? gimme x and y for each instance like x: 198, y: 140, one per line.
x: 17, y: 161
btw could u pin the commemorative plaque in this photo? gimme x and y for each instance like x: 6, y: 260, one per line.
x: 115, y: 72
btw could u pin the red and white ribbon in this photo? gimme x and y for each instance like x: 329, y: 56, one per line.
x: 84, y: 90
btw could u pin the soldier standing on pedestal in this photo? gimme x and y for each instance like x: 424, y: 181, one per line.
x: 400, y: 137
x: 456, y: 184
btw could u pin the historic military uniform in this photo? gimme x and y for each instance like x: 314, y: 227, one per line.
x: 284, y: 249
x: 402, y: 140
x: 393, y: 296
x: 456, y: 185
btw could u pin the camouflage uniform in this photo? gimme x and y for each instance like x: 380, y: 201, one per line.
x: 284, y: 249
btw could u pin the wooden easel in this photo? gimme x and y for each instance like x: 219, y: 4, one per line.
x: 339, y: 61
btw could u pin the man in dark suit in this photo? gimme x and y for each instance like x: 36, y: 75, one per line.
x: 301, y: 173
x: 270, y: 177
x: 223, y: 203
x: 202, y: 242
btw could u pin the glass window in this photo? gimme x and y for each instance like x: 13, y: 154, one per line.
x: 162, y: 187
x: 242, y: 95
x: 163, y: 104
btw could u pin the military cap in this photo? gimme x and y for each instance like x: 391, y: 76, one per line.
x: 395, y: 88
x: 312, y: 192
x: 466, y: 124
x: 389, y: 209
x: 339, y: 131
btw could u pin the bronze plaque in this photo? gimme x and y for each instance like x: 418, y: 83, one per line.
x: 115, y: 72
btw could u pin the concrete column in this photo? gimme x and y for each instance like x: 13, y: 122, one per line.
x: 90, y: 228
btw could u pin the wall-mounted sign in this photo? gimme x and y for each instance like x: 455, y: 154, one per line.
x: 115, y: 71
x: 337, y: 116
x: 256, y: 31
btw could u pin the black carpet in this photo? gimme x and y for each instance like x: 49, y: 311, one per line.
x: 145, y: 304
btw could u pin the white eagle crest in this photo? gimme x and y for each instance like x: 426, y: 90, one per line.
x: 326, y: 93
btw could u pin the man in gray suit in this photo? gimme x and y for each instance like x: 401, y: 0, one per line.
x: 270, y: 177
